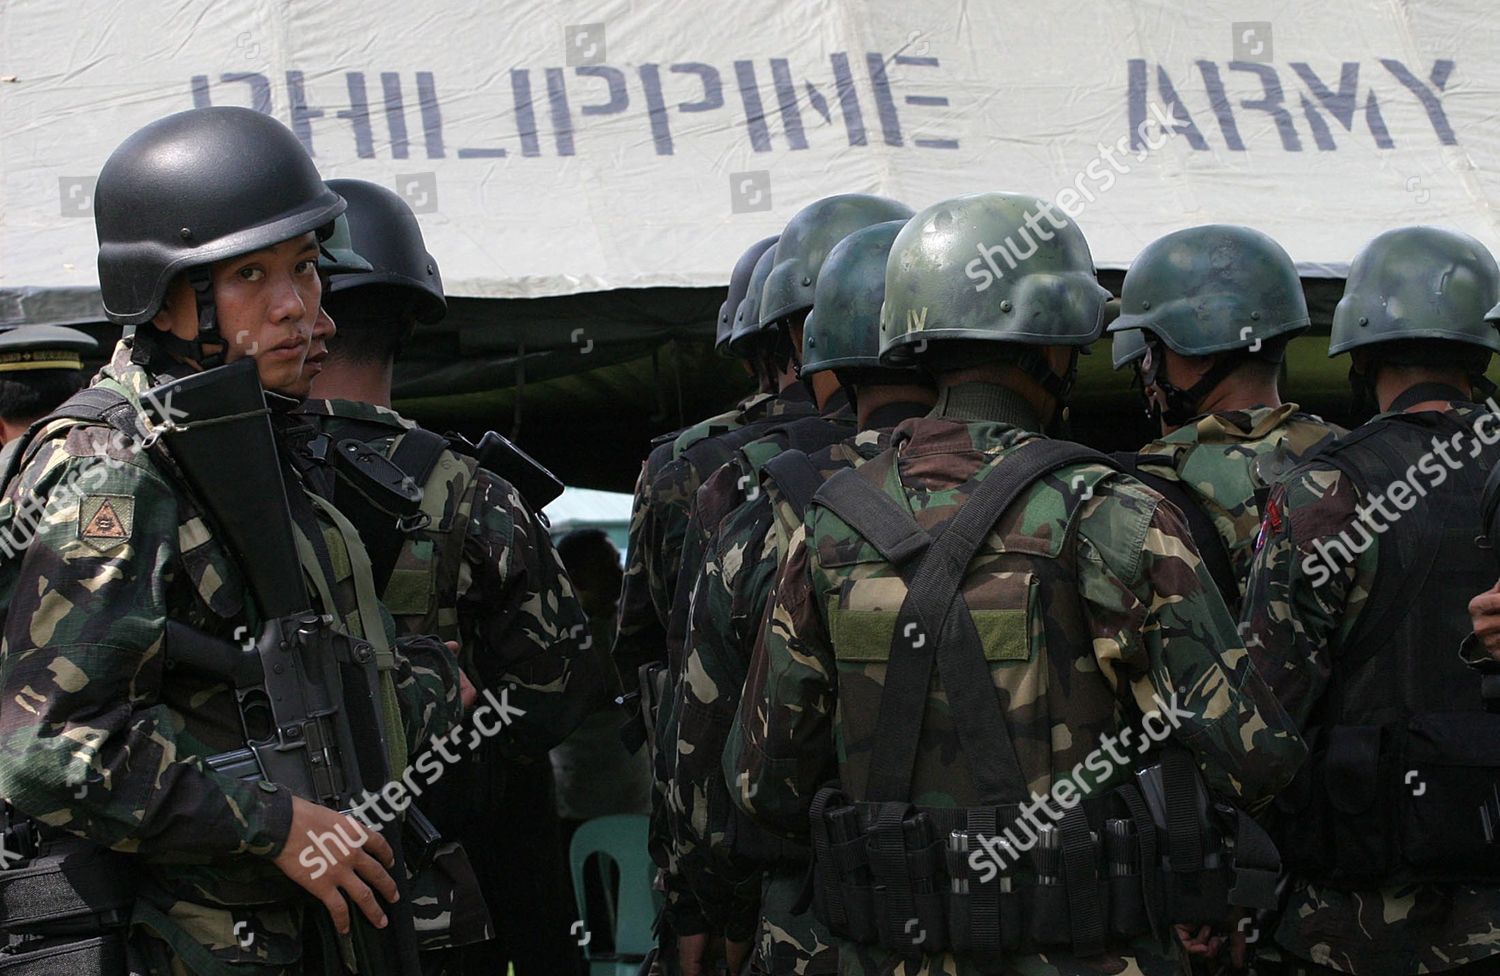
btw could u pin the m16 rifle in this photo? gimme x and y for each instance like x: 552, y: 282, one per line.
x: 309, y: 696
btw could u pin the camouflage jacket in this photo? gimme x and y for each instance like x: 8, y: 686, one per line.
x: 666, y: 512
x: 1149, y: 629
x: 1294, y: 621
x: 1224, y: 459
x: 728, y: 602
x: 103, y: 741
x: 486, y: 574
x: 640, y: 631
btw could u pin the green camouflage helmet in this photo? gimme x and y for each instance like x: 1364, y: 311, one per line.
x: 338, y: 255
x: 1418, y: 283
x: 747, y: 317
x: 843, y: 328
x: 944, y: 279
x: 806, y: 241
x: 1212, y: 289
x: 1129, y: 347
x: 739, y: 284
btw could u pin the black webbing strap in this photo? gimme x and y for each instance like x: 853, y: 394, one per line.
x: 94, y: 404
x: 103, y: 955
x: 1145, y: 834
x: 1180, y: 784
x: 1086, y: 919
x: 1423, y: 392
x: 878, y: 518
x: 823, y: 886
x: 984, y: 897
x: 795, y: 478
x: 887, y: 848
x: 1205, y: 534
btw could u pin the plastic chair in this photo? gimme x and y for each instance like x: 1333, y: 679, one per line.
x: 622, y: 839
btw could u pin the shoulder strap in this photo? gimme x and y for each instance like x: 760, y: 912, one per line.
x: 795, y: 478
x: 879, y: 519
x: 1210, y: 544
x: 934, y: 627
x: 94, y: 404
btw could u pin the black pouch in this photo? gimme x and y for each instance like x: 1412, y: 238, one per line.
x: 1048, y: 915
x: 928, y: 877
x: 1127, y: 907
x: 1450, y: 796
x: 103, y: 955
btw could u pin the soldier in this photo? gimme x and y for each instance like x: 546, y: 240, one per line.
x: 208, y: 225
x: 1216, y: 306
x: 736, y: 871
x: 640, y: 631
x: 771, y: 317
x: 477, y: 567
x: 1354, y: 611
x: 1087, y: 614
x: 40, y: 367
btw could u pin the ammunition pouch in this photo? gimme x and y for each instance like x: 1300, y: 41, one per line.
x: 986, y: 881
x: 65, y: 909
x: 1407, y: 803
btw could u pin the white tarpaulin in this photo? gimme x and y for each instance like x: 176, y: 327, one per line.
x: 574, y: 146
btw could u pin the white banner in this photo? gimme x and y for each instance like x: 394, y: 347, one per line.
x: 584, y: 145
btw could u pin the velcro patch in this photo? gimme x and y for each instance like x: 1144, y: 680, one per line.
x: 105, y: 521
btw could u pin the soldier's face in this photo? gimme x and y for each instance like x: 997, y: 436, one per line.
x: 267, y: 303
x: 317, y: 353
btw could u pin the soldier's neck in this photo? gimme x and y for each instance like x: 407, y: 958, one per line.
x: 1228, y: 397
x: 10, y: 431
x: 904, y: 399
x: 361, y: 382
x: 991, y: 402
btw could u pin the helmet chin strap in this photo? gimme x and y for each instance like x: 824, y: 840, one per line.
x: 201, y: 278
x: 163, y: 353
x: 1060, y: 388
x: 1182, y: 405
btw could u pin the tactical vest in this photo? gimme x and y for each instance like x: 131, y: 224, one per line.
x: 931, y: 782
x: 1403, y: 782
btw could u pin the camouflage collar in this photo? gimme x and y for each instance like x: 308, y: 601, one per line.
x: 129, y: 378
x: 1233, y: 425
x: 990, y: 402
x: 355, y: 410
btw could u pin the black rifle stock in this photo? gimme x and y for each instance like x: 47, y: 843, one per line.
x: 499, y: 454
x: 302, y: 687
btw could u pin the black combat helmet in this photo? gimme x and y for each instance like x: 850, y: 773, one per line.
x: 194, y: 188
x: 384, y: 231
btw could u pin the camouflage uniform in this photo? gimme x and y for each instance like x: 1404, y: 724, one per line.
x: 728, y: 602
x: 1150, y: 625
x: 640, y: 630
x: 1294, y: 627
x: 668, y: 514
x: 101, y: 741
x: 483, y: 573
x: 1225, y: 459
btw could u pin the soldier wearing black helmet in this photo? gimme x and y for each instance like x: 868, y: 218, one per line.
x: 209, y: 224
x: 477, y: 567
x: 1212, y: 309
x: 1354, y: 613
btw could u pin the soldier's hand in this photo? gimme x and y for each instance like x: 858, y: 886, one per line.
x: 1484, y: 610
x: 318, y: 856
x: 1202, y: 943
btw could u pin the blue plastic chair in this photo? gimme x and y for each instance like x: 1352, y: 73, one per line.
x: 622, y: 839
